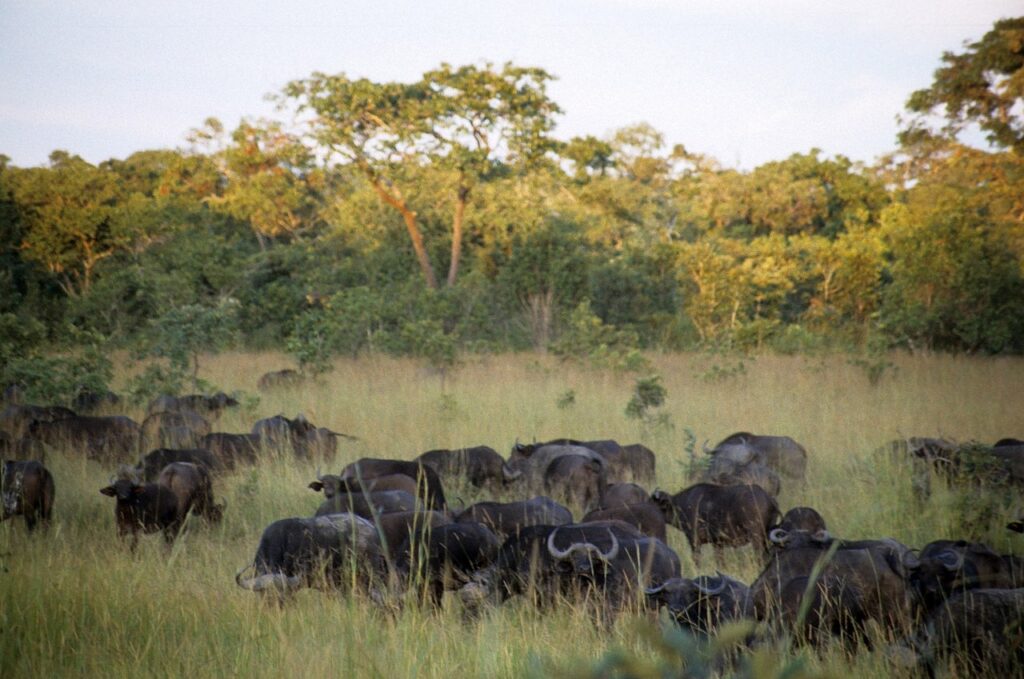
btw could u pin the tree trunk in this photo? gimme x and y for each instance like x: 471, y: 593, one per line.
x: 539, y: 306
x: 414, y: 231
x: 460, y: 211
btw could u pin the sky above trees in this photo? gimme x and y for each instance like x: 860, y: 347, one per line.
x: 743, y: 81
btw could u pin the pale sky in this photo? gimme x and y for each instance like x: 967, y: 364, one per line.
x: 745, y: 81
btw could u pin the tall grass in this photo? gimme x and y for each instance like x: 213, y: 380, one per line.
x: 75, y: 601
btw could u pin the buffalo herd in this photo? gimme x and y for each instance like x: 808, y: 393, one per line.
x: 388, y: 526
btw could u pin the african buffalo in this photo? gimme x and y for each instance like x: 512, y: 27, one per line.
x: 480, y: 466
x: 944, y: 567
x: 143, y: 507
x: 704, y: 603
x: 367, y: 505
x: 16, y: 419
x: 397, y: 527
x: 193, y: 490
x: 511, y: 517
x: 207, y: 406
x: 154, y: 461
x: 299, y: 435
x: 617, y: 567
x: 21, y: 449
x: 720, y: 515
x: 867, y: 572
x: 752, y: 473
x: 279, y: 379
x: 633, y: 462
x: 332, y: 485
x: 779, y: 453
x: 979, y: 626
x: 646, y: 516
x: 432, y: 491
x: 578, y: 479
x: 28, y: 490
x: 232, y: 449
x: 103, y: 438
x: 450, y: 554
x: 89, y: 402
x: 180, y: 429
x: 623, y: 495
x: 320, y: 551
x: 802, y: 518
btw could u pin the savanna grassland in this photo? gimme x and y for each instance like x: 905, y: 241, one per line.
x: 75, y: 601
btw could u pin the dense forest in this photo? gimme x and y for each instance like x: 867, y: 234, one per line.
x: 444, y: 216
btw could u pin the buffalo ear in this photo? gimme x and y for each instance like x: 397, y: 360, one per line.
x: 109, y: 490
x: 317, y: 486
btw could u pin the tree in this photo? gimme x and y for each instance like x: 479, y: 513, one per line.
x: 983, y: 86
x: 469, y: 122
x: 271, y: 182
x: 70, y: 218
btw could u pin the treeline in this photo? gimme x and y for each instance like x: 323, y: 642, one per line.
x: 444, y: 216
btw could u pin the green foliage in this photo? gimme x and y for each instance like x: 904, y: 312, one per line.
x: 183, y: 334
x: 566, y: 400
x: 648, y: 397
x: 982, y: 86
x: 310, y: 342
x: 53, y: 377
x: 588, y: 339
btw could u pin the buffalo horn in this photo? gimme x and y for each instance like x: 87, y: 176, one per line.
x: 704, y: 447
x: 613, y: 551
x: 778, y: 536
x: 651, y: 591
x: 713, y: 591
x: 510, y: 474
x: 950, y: 559
x: 554, y: 551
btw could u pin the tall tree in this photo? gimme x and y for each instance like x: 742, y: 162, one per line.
x: 984, y: 86
x: 470, y: 121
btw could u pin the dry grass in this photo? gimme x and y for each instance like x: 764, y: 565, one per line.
x: 75, y: 602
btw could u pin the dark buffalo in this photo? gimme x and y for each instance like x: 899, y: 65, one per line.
x: 153, y: 462
x: 779, y: 453
x: 207, y: 406
x: 317, y: 552
x: 525, y: 565
x: 534, y: 459
x: 432, y: 491
x: 618, y: 568
x: 980, y: 626
x: 509, y: 518
x: 369, y: 504
x: 16, y: 419
x: 578, y: 479
x: 332, y: 485
x: 816, y: 609
x: 804, y: 519
x: 28, y: 490
x: 704, y: 603
x: 947, y: 566
x: 396, y: 528
x: 868, y: 572
x: 89, y: 402
x: 299, y: 435
x: 193, y: 489
x: 173, y: 430
x: 143, y: 507
x: 232, y: 449
x: 279, y: 379
x: 450, y: 554
x: 105, y: 438
x: 646, y: 516
x: 722, y: 516
x: 1016, y: 526
x: 749, y: 474
x: 623, y: 495
x: 480, y: 466
x: 21, y: 449
x: 633, y: 462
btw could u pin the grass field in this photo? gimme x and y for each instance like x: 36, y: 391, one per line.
x: 76, y: 602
